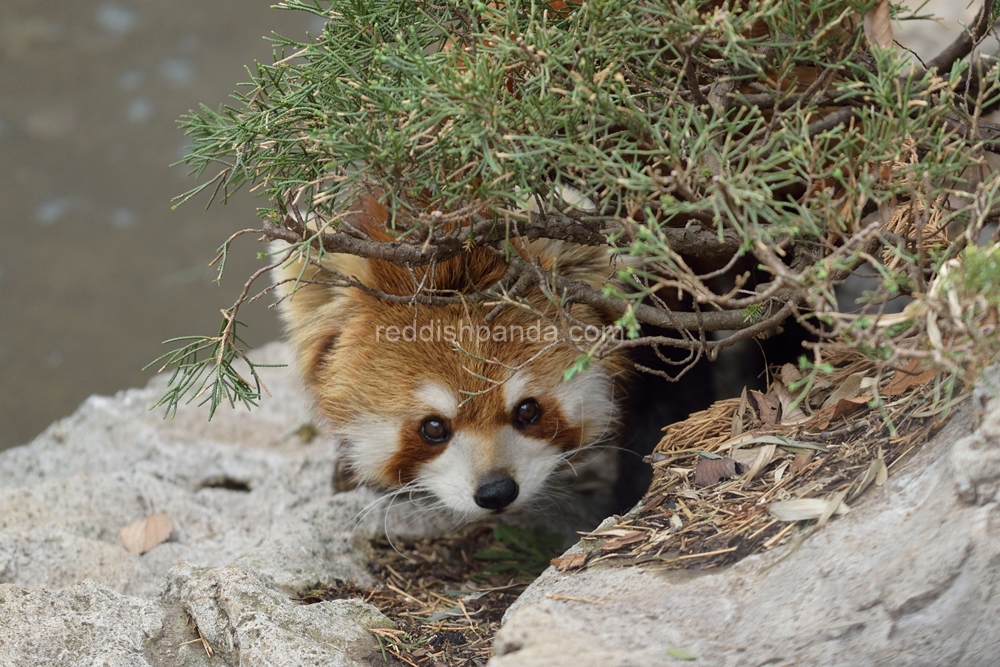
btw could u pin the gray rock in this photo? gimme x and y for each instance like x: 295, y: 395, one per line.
x: 908, y: 578
x: 256, y: 521
x: 86, y: 624
x: 247, y: 622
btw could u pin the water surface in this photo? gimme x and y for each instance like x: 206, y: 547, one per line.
x: 95, y: 267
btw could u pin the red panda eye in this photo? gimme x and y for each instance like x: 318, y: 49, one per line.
x: 527, y: 413
x: 435, y: 430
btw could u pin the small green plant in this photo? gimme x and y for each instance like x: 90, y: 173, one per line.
x: 204, y: 368
x: 526, y: 554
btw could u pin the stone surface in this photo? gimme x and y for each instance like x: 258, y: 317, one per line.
x: 908, y: 578
x: 85, y: 624
x: 250, y: 623
x: 256, y: 521
x: 241, y: 488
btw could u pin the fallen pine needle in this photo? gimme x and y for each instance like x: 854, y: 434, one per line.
x: 706, y: 554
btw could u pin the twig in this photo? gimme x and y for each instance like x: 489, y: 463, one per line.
x: 964, y: 43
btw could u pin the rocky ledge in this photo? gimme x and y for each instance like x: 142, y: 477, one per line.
x: 908, y: 578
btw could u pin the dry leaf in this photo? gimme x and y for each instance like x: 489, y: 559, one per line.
x: 779, y: 472
x: 633, y: 537
x: 848, y: 406
x: 789, y: 415
x: 767, y: 407
x: 833, y: 503
x: 759, y: 438
x: 790, y: 375
x: 822, y: 383
x: 690, y: 494
x: 738, y: 415
x: 882, y: 473
x: 147, y: 532
x: 845, y: 407
x: 821, y: 419
x: 569, y: 562
x: 711, y: 471
x: 744, y: 457
x: 800, y: 462
x: 803, y: 509
x: 744, y: 438
x: 849, y: 388
x: 912, y: 375
x: 765, y: 455
x: 878, y: 25
x: 610, y: 532
x: 863, y: 481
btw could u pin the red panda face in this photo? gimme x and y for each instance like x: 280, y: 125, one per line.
x: 478, y: 425
x: 435, y: 399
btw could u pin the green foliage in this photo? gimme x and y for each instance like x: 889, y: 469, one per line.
x: 527, y: 552
x: 770, y: 123
x: 979, y: 275
x: 418, y: 98
x: 580, y: 365
x: 205, y: 368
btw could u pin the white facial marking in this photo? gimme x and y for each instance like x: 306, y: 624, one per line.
x: 452, y: 477
x: 438, y: 399
x: 373, y: 442
x: 455, y: 476
x: 587, y: 401
x: 467, y: 459
x: 515, y: 390
x: 532, y: 462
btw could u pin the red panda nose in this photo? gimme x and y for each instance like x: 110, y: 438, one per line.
x: 496, y: 492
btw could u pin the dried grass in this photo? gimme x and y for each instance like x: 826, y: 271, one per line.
x: 822, y: 459
x: 444, y: 603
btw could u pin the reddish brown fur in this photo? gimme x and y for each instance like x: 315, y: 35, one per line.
x: 354, y: 370
x: 413, y: 452
x: 466, y: 273
x: 363, y: 371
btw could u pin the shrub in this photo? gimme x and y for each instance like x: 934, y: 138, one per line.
x: 746, y: 157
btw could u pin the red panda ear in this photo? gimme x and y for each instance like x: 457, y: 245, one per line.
x: 475, y: 270
x: 314, y: 314
x: 589, y: 264
x: 369, y: 216
x: 311, y: 313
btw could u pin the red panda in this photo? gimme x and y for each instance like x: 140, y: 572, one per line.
x: 422, y: 400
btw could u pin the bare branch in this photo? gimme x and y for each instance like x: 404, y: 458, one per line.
x: 692, y: 241
x: 578, y: 292
x: 963, y: 45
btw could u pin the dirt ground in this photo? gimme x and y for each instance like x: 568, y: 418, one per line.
x: 95, y: 267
